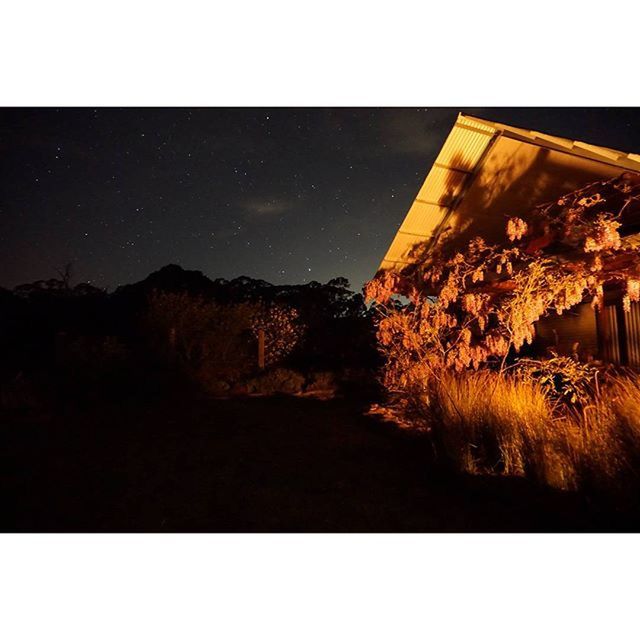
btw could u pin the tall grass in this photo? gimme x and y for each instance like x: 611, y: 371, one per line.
x: 486, y: 422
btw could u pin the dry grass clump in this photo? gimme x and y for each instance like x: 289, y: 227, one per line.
x: 486, y: 422
x: 625, y: 403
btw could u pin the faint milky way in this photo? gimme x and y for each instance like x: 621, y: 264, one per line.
x: 287, y: 195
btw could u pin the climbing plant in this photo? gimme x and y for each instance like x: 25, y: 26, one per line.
x: 471, y: 306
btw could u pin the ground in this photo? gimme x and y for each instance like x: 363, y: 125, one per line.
x: 278, y: 464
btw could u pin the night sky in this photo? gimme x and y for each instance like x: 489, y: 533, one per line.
x: 286, y: 195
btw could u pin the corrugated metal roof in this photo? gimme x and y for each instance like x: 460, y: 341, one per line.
x: 459, y: 159
x: 604, y: 154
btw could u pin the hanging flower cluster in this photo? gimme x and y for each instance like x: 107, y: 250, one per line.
x: 473, y: 306
x: 604, y: 236
x: 516, y: 228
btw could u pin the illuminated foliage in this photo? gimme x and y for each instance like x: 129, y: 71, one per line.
x: 473, y: 305
x: 195, y: 331
x: 563, y: 377
x: 198, y: 332
x: 282, y: 329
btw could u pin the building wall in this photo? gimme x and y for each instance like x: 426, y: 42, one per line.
x: 514, y: 178
x: 575, y: 331
x: 632, y: 324
x: 609, y: 334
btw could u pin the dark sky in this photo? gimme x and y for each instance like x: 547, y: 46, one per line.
x: 287, y: 195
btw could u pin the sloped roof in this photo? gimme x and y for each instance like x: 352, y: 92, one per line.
x: 452, y: 173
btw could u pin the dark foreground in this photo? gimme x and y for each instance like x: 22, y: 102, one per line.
x: 254, y: 465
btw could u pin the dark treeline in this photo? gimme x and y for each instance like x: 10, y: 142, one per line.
x: 45, y: 321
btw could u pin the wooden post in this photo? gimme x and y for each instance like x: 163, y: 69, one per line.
x: 261, y: 348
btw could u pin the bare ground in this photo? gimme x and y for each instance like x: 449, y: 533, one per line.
x: 277, y: 464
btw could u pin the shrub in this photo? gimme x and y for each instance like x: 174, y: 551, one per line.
x: 321, y: 381
x: 18, y: 393
x: 212, y: 382
x: 216, y: 344
x: 282, y: 329
x: 198, y: 334
x: 277, y: 381
x: 92, y: 361
x: 563, y: 377
x: 93, y: 353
